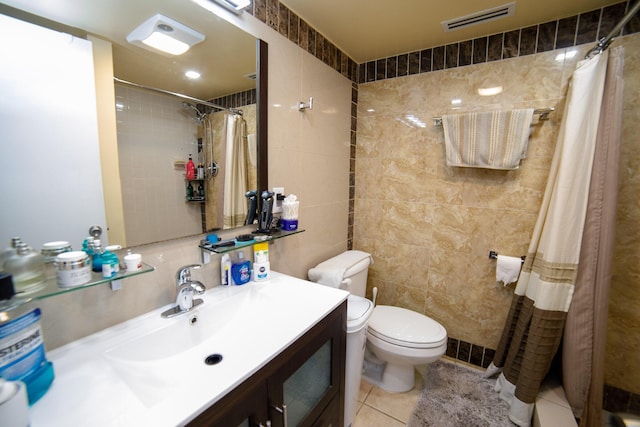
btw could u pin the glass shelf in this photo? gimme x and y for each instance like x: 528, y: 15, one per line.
x: 51, y: 288
x: 239, y: 245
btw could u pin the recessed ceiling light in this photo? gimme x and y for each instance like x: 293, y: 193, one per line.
x: 192, y: 74
x: 165, y: 34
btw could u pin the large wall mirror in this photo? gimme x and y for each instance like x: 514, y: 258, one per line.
x: 161, y: 121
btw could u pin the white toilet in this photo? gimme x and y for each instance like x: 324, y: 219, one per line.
x: 342, y: 272
x: 399, y: 339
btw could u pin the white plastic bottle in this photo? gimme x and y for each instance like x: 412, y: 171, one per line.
x: 225, y: 270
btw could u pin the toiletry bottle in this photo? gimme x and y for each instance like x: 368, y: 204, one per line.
x: 27, y: 269
x: 200, y: 171
x: 191, y: 169
x: 241, y: 270
x: 110, y: 263
x: 87, y: 245
x: 9, y: 252
x: 225, y: 270
x: 189, y: 191
x: 261, y: 266
x: 201, y: 190
x: 96, y: 257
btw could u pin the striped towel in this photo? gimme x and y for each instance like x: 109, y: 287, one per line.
x: 493, y: 140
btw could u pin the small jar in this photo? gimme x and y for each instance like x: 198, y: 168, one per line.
x: 73, y: 269
x: 51, y: 250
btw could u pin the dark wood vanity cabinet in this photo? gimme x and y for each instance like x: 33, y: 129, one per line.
x: 305, y: 383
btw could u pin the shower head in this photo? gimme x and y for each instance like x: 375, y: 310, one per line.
x: 199, y: 115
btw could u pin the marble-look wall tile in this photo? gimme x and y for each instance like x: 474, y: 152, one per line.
x: 439, y: 223
x: 566, y: 35
x: 466, y: 52
x: 588, y: 27
x: 528, y: 40
x: 480, y: 50
x: 494, y: 49
x: 546, y: 36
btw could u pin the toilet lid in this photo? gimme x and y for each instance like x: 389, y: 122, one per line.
x: 406, y: 328
x: 359, y: 311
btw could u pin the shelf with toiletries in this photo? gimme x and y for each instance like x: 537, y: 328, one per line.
x: 51, y: 288
x: 231, y: 245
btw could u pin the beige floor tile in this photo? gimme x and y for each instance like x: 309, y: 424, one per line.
x: 397, y: 405
x: 370, y: 417
x: 365, y: 389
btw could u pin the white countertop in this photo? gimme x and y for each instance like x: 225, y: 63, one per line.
x: 132, y: 374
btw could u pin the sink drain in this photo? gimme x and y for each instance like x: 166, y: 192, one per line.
x: 213, y: 359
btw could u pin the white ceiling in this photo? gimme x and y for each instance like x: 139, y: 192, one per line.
x: 363, y: 29
x: 224, y: 58
x: 373, y: 29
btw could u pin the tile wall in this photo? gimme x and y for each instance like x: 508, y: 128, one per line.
x: 151, y: 129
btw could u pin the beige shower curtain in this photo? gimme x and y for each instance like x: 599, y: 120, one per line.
x: 236, y: 176
x: 584, y: 339
x: 536, y: 319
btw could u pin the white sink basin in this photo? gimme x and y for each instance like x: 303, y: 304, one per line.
x: 151, y: 371
x: 150, y: 363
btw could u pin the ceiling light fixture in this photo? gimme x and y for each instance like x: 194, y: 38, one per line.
x: 165, y: 34
x: 235, y: 6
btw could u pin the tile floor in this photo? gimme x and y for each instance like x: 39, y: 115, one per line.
x: 378, y: 408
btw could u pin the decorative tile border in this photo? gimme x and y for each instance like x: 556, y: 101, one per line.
x: 280, y: 18
x: 236, y: 100
x: 587, y: 27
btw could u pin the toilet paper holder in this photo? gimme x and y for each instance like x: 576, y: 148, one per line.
x: 494, y: 255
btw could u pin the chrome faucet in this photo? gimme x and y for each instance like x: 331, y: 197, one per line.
x: 186, y: 288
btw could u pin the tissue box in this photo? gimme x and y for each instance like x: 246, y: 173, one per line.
x: 289, y: 224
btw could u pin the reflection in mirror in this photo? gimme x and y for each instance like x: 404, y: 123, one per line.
x: 156, y: 132
x: 165, y: 131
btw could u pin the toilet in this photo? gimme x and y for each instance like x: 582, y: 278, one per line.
x: 342, y: 272
x: 398, y: 339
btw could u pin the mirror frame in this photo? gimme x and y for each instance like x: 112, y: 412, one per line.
x: 262, y: 55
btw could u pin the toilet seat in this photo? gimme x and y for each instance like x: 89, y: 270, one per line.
x: 406, y: 328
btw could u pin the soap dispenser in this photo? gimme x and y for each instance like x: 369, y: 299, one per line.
x: 241, y: 270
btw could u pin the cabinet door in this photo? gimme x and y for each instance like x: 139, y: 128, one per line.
x: 245, y: 406
x: 301, y: 391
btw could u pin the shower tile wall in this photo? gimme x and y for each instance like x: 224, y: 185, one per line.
x: 151, y: 129
x: 430, y: 227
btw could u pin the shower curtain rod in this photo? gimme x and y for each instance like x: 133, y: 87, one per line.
x: 604, y: 42
x: 179, y: 95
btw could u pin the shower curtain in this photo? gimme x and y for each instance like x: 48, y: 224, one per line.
x: 584, y: 339
x: 543, y: 294
x: 236, y: 177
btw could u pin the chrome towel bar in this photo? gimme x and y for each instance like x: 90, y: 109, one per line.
x: 542, y: 112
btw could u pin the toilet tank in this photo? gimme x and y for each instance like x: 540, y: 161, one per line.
x: 347, y: 271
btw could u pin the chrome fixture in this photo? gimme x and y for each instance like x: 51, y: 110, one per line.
x: 543, y: 114
x: 304, y: 105
x: 186, y: 288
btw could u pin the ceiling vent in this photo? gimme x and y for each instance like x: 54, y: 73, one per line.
x: 480, y: 17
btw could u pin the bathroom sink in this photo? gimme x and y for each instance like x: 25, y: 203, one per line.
x: 151, y: 363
